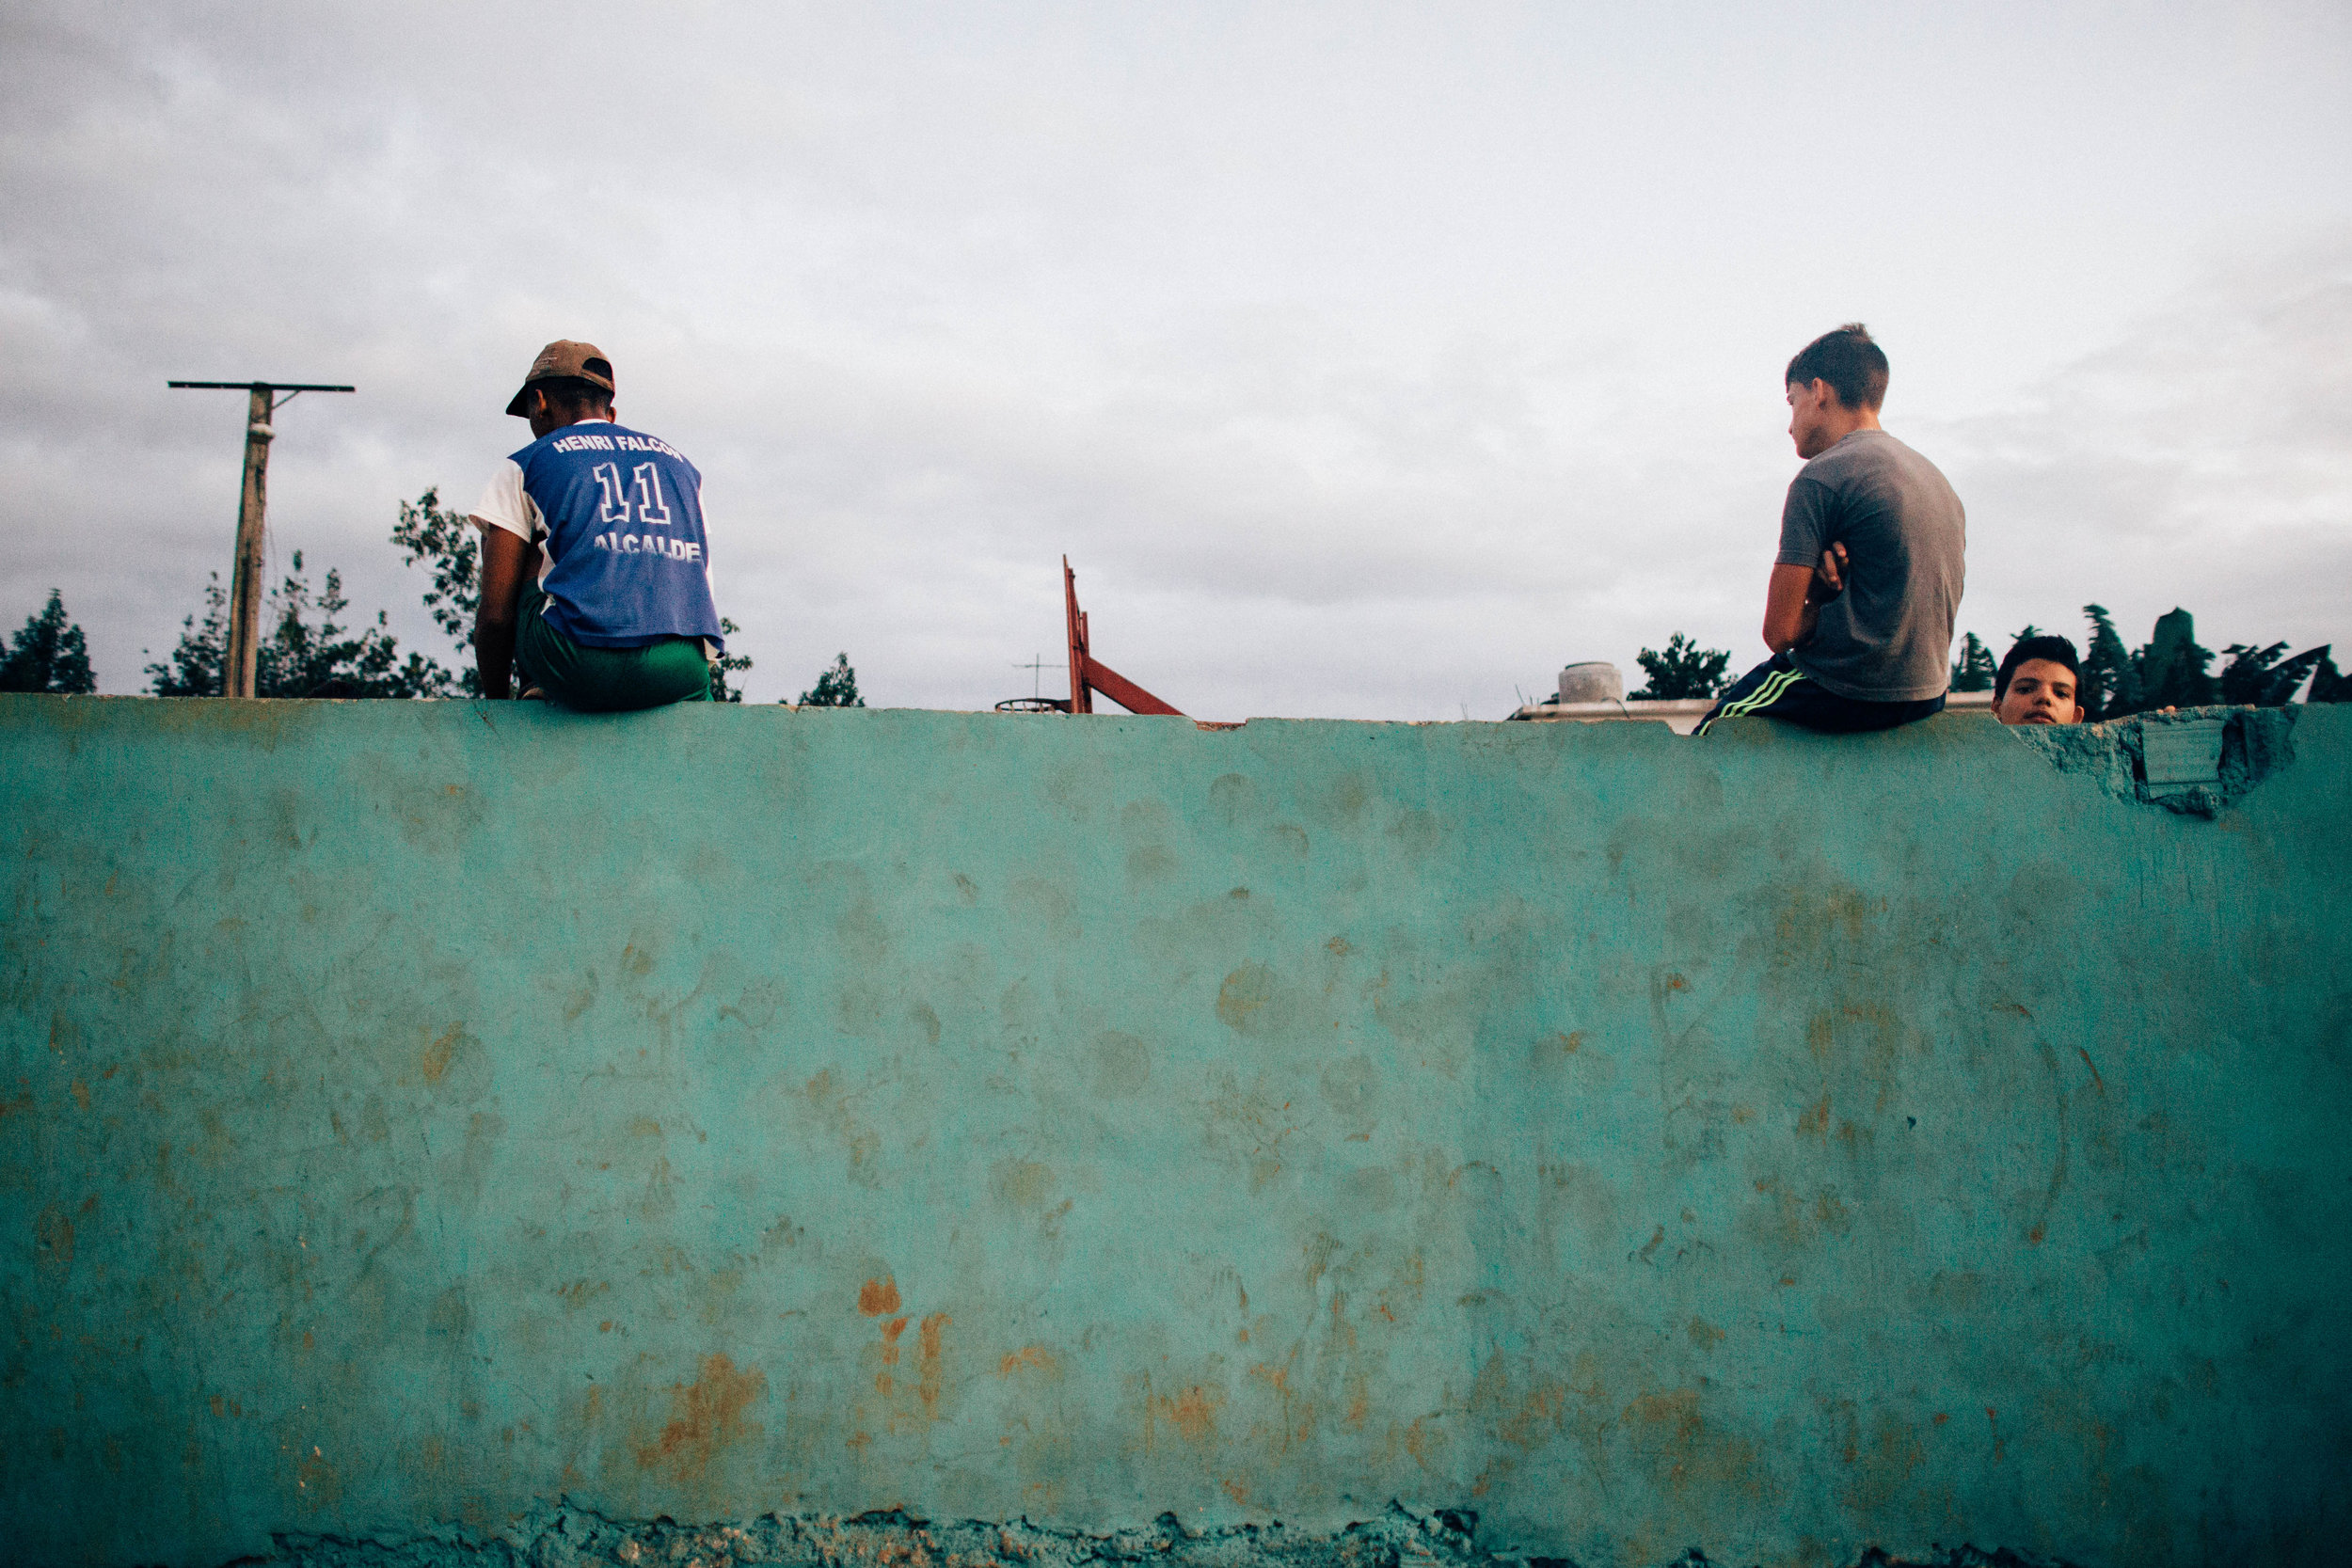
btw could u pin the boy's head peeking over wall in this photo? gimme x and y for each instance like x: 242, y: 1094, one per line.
x: 2039, y: 683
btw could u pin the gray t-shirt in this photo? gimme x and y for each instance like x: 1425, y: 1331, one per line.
x: 1888, y: 637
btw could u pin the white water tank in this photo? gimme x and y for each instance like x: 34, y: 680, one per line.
x: 1594, y: 682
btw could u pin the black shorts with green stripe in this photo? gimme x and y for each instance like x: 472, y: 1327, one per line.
x: 1778, y: 690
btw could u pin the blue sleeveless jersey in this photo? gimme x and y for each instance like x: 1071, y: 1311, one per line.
x: 627, y: 562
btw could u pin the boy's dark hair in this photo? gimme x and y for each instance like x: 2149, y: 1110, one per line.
x: 2057, y: 650
x: 1848, y: 360
x: 575, y: 395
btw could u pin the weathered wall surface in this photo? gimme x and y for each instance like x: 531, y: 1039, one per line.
x: 414, y: 1115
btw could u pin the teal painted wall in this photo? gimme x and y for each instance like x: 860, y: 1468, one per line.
x: 412, y: 1114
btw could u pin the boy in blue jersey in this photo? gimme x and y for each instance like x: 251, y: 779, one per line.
x: 595, y: 573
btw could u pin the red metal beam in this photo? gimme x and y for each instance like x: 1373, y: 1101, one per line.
x: 1126, y: 693
x: 1087, y: 675
x: 1081, y: 695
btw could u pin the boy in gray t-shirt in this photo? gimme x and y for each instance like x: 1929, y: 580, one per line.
x: 1870, y: 572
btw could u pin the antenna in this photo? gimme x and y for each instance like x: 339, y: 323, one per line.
x: 1037, y: 668
x: 245, y: 577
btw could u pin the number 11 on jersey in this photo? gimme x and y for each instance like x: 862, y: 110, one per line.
x: 652, y: 511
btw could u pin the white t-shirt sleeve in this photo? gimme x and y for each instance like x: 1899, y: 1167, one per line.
x: 506, y: 504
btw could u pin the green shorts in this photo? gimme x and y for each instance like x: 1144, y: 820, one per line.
x: 606, y: 680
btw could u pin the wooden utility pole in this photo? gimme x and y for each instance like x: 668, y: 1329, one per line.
x: 245, y: 581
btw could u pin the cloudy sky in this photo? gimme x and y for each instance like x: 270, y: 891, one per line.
x: 1368, y: 361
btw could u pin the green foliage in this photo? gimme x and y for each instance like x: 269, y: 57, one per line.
x: 1683, y: 670
x: 194, y: 667
x: 2262, y: 677
x: 721, y: 689
x: 306, y: 653
x: 2174, y: 671
x: 837, y: 687
x: 1976, y: 669
x: 445, y: 539
x: 2110, y: 684
x: 2329, y: 684
x: 48, y: 655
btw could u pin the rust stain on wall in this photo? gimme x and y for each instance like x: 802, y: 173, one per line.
x: 928, y: 1367
x: 1883, y: 1466
x: 1029, y: 1355
x: 878, y: 1296
x: 315, y: 1481
x: 1192, y: 1413
x: 1670, y: 1434
x: 54, y: 1232
x: 1814, y: 1123
x: 1023, y: 1183
x: 707, y: 1416
x: 1244, y: 996
x: 437, y: 1055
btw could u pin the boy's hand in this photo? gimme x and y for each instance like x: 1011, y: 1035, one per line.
x: 1829, y: 577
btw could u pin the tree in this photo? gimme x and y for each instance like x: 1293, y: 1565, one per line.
x: 2110, y: 683
x: 1683, y: 670
x: 2262, y: 677
x: 2174, y: 671
x: 2329, y: 684
x: 443, y: 537
x: 1975, y: 670
x: 194, y: 667
x: 48, y: 655
x: 837, y: 687
x: 722, y: 690
x: 299, y: 658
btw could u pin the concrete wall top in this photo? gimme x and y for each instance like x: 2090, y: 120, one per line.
x: 415, y: 1113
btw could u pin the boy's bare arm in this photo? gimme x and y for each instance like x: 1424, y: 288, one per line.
x: 1793, y: 599
x: 509, y: 562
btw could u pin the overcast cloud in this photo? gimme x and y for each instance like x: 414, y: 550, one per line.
x: 1367, y: 361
